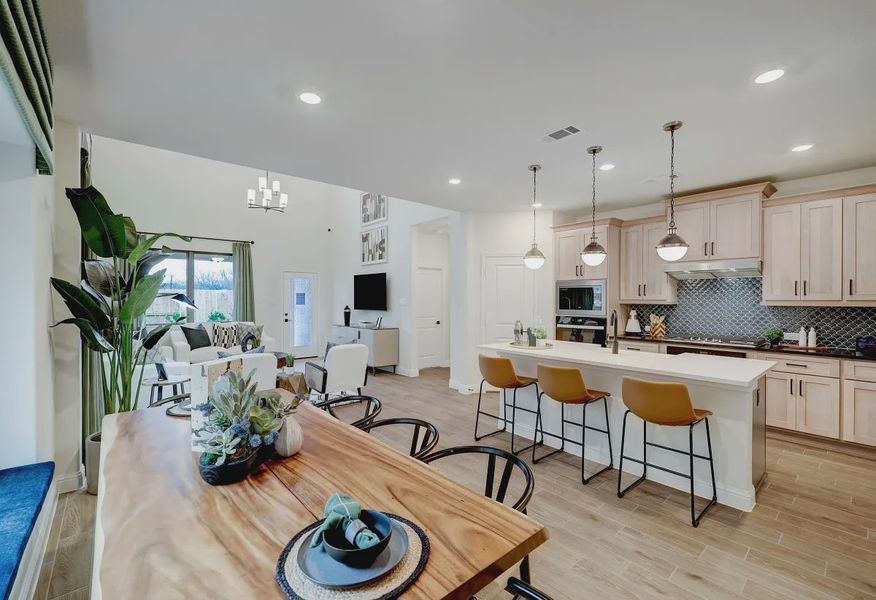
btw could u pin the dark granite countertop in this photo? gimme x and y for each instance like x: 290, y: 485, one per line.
x: 845, y: 353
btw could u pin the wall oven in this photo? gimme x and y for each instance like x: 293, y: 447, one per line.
x: 581, y: 329
x: 581, y: 298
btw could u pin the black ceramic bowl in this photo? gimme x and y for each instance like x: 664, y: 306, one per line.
x: 337, y: 546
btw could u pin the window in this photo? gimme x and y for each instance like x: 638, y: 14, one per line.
x: 206, y: 278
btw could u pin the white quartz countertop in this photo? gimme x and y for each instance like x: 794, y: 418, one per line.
x: 700, y: 368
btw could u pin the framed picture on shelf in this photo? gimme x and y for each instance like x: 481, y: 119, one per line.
x: 374, y: 208
x: 374, y: 246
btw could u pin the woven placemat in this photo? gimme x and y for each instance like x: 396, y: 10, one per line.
x: 298, y: 587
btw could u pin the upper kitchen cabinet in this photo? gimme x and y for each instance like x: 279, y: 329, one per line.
x: 643, y: 279
x: 859, y: 248
x: 569, y: 241
x: 723, y: 224
x: 803, y: 252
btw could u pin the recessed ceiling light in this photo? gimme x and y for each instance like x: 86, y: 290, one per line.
x: 801, y: 148
x: 310, y: 98
x: 769, y: 76
x: 454, y: 181
x: 536, y: 205
x: 606, y: 167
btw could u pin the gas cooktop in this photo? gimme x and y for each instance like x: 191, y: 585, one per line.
x: 719, y: 341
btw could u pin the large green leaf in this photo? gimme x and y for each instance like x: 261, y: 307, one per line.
x: 101, y: 274
x: 103, y: 231
x: 131, y: 237
x: 151, y: 338
x: 144, y: 246
x: 89, y: 289
x: 92, y: 338
x: 141, y: 297
x: 81, y: 304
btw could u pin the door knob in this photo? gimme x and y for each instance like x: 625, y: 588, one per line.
x: 285, y: 320
x: 437, y: 322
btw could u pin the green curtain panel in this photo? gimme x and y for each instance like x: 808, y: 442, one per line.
x: 244, y: 297
x: 25, y: 64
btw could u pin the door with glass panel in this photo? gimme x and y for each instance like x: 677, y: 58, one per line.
x: 301, y: 292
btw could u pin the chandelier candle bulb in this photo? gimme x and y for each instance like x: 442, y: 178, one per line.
x: 276, y: 186
x: 263, y: 183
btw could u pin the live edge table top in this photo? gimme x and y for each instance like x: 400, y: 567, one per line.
x: 162, y: 532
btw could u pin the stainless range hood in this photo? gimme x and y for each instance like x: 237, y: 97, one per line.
x: 717, y: 269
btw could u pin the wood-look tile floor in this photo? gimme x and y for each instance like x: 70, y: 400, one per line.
x: 812, y: 534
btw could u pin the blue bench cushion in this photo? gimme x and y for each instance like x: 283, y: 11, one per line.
x: 22, y: 493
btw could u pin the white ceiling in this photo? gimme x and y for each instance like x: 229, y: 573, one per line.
x: 418, y: 91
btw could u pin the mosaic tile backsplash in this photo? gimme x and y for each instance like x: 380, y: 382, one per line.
x: 731, y: 308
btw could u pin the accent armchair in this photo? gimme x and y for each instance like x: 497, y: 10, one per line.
x: 345, y: 368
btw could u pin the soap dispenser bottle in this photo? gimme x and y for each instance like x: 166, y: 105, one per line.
x: 803, y: 338
x: 813, y: 338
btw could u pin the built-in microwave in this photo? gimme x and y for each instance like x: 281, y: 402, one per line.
x: 581, y: 298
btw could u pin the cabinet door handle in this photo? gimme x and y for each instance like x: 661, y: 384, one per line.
x: 850, y: 288
x: 634, y: 349
x: 804, y: 287
x: 639, y: 293
x: 797, y: 365
x: 795, y: 287
x: 705, y: 248
x: 800, y: 389
x: 791, y: 381
x: 713, y: 248
x: 645, y: 289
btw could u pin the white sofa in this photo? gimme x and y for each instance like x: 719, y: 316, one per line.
x: 175, y: 339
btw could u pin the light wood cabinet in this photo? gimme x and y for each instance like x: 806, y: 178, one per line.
x: 803, y: 252
x: 382, y: 343
x: 721, y: 229
x: 567, y: 248
x: 859, y: 412
x: 643, y: 280
x: 818, y: 405
x: 859, y: 247
x: 781, y: 401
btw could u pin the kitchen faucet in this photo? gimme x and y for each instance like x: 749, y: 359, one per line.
x: 613, y: 323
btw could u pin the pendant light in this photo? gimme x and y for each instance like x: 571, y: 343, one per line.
x: 593, y: 253
x: 672, y: 247
x: 534, y: 258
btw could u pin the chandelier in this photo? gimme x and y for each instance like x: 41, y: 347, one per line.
x: 267, y: 198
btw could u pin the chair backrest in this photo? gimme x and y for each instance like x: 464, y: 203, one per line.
x: 372, y: 408
x: 658, y: 402
x: 346, y: 366
x: 497, y: 371
x: 509, y: 463
x: 563, y: 384
x: 520, y: 589
x: 419, y: 447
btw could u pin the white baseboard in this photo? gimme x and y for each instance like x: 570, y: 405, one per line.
x: 24, y: 586
x: 70, y: 482
x: 408, y: 372
x: 462, y: 388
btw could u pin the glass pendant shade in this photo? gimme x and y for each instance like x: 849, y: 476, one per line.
x: 534, y: 258
x: 593, y: 254
x: 672, y: 247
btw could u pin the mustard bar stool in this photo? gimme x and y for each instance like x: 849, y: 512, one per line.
x: 666, y: 404
x: 566, y: 386
x: 499, y: 372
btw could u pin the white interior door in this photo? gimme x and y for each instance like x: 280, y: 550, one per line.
x: 430, y: 321
x: 301, y: 291
x: 507, y: 294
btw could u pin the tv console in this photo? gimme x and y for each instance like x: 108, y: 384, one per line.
x: 382, y: 343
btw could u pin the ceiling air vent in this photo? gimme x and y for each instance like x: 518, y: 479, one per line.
x: 560, y: 134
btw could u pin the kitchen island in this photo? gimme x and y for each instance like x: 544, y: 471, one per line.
x: 732, y: 388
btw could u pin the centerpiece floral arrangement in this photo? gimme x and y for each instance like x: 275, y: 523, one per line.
x: 241, y: 427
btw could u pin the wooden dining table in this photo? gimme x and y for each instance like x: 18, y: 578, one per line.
x: 162, y: 532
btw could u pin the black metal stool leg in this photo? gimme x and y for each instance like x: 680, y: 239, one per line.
x: 584, y: 427
x: 562, y: 432
x: 514, y: 423
x: 620, y: 474
x: 695, y: 518
x: 479, y: 412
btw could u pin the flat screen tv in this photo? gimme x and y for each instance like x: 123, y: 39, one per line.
x: 369, y: 291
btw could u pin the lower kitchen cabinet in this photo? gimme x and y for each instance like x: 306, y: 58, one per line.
x: 781, y: 401
x: 859, y: 412
x: 818, y: 405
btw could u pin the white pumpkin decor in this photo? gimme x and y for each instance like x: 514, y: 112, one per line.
x: 289, y: 438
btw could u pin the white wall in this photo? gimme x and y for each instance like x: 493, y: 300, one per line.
x: 26, y: 409
x: 403, y: 217
x: 169, y: 191
x: 66, y: 355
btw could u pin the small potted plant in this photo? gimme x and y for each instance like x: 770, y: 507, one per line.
x: 241, y: 428
x: 540, y: 336
x: 774, y: 335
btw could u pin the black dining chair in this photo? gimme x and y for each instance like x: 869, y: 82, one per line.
x: 510, y: 462
x: 420, y: 447
x: 372, y: 408
x: 523, y: 590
